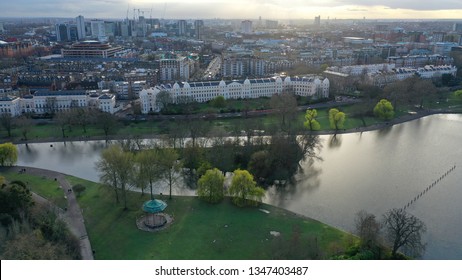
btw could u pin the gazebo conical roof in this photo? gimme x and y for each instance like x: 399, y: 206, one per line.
x: 154, y: 206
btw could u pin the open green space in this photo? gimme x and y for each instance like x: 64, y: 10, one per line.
x: 199, y: 231
x: 42, y: 186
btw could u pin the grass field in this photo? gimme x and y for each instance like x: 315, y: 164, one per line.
x: 46, y: 188
x: 199, y: 231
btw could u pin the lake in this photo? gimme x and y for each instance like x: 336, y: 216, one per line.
x: 373, y: 171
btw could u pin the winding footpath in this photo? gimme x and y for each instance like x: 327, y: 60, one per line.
x: 73, y: 215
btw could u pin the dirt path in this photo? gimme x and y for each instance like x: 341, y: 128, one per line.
x: 73, y: 215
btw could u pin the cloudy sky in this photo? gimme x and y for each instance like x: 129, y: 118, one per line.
x: 267, y: 9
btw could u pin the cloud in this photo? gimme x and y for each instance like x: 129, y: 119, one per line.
x: 275, y: 9
x: 418, y: 5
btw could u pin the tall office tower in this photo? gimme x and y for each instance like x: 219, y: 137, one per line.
x: 199, y: 27
x: 72, y: 33
x: 317, y: 20
x: 61, y: 32
x: 80, y: 27
x: 246, y: 26
x: 457, y: 27
x: 181, y: 27
x: 98, y: 30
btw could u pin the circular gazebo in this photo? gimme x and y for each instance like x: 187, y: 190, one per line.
x: 153, y: 208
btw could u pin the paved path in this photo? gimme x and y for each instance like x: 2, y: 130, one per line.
x: 73, y: 216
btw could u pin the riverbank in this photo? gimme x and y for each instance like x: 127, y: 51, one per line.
x: 377, y: 126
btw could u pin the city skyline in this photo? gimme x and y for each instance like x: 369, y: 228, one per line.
x: 252, y: 9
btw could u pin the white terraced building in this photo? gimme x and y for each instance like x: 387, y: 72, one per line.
x: 45, y: 101
x: 248, y: 88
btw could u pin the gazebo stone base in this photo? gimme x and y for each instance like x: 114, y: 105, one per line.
x: 154, y: 222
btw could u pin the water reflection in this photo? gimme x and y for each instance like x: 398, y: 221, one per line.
x: 335, y: 141
x: 305, y: 182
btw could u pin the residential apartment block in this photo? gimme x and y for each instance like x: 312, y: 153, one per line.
x: 45, y: 101
x: 235, y: 89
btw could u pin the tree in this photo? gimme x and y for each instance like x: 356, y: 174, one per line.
x: 336, y: 119
x: 458, y: 93
x: 8, y: 154
x: 6, y: 120
x: 149, y: 170
x: 286, y: 106
x: 367, y: 228
x: 211, y: 186
x: 25, y: 126
x: 218, y: 102
x: 78, y: 189
x: 310, y: 120
x: 116, y: 170
x: 106, y: 122
x: 244, y: 190
x: 260, y: 165
x: 384, y: 110
x: 64, y: 120
x: 15, y: 200
x: 163, y: 101
x: 169, y: 167
x: 404, y: 231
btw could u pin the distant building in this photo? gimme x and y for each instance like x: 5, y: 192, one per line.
x: 457, y: 27
x: 246, y: 27
x: 444, y: 48
x: 199, y: 29
x: 272, y: 24
x: 81, y: 32
x: 248, y: 88
x: 174, y: 69
x: 12, y: 49
x: 317, y: 21
x: 438, y: 36
x: 420, y: 60
x: 182, y: 27
x: 98, y: 30
x: 89, y: 49
x: 61, y: 32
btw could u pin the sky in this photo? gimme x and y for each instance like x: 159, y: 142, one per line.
x: 237, y: 9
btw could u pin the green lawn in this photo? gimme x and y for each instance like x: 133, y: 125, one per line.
x: 200, y: 230
x: 47, y: 188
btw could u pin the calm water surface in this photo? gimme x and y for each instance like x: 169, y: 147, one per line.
x: 374, y: 171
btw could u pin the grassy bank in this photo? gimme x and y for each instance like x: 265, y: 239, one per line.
x: 199, y: 231
x: 42, y: 186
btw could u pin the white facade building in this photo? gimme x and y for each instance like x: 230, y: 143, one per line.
x: 248, y: 88
x: 398, y: 74
x: 10, y: 105
x: 45, y: 101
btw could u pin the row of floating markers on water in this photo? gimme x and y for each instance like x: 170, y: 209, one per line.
x: 429, y: 187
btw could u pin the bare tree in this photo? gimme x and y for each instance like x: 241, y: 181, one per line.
x: 404, y: 231
x: 6, y: 120
x: 367, y: 228
x: 25, y: 125
x: 286, y: 106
